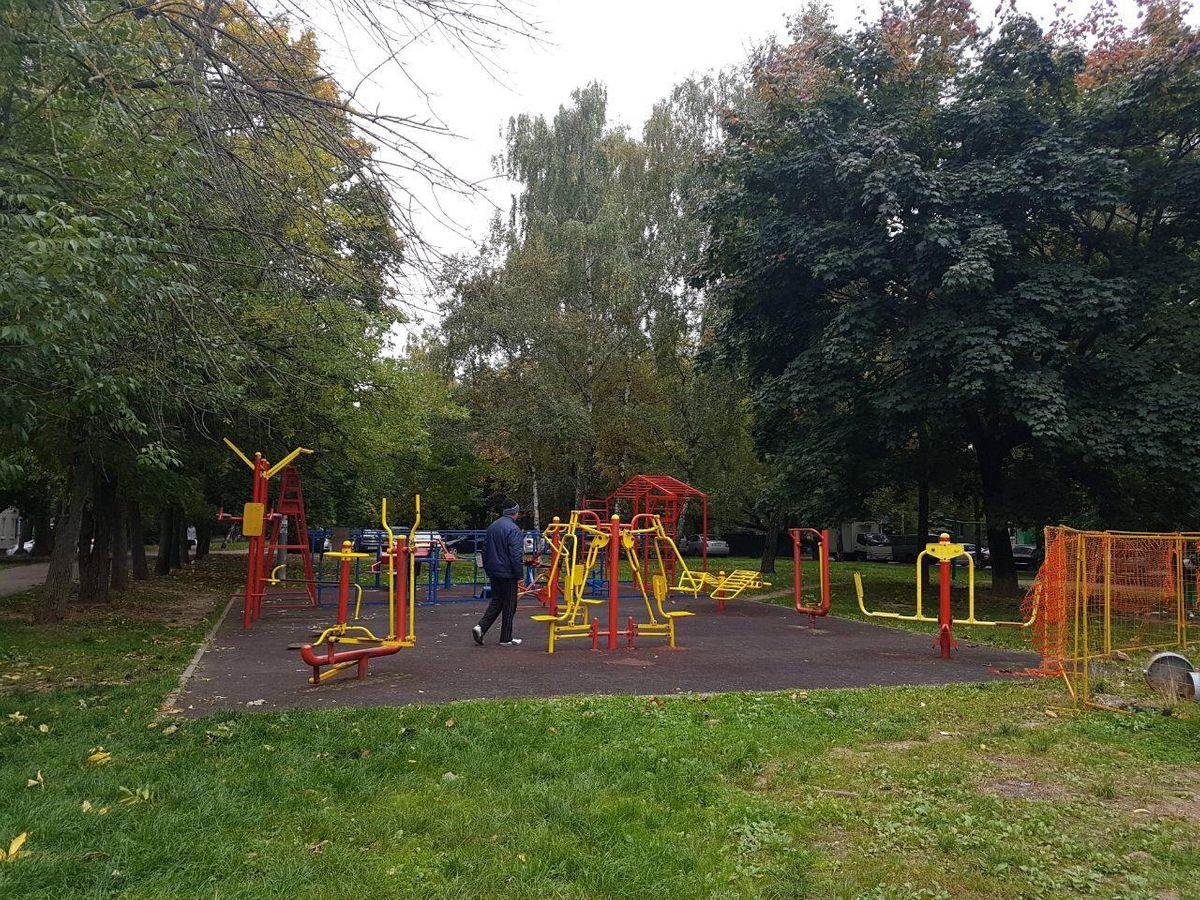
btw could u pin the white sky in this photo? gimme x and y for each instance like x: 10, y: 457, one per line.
x: 638, y: 48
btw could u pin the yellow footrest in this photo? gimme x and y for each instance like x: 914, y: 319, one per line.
x: 544, y: 618
x: 679, y: 613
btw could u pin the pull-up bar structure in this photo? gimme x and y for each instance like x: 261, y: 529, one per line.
x: 657, y: 495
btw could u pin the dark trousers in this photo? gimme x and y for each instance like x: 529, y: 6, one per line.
x: 504, y: 604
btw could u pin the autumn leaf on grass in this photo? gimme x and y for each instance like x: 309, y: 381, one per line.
x: 36, y: 782
x: 17, y: 717
x: 136, y: 796
x: 14, y: 848
x: 99, y: 757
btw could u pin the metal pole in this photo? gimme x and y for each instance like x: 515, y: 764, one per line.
x: 344, y: 585
x: 945, y: 637
x: 614, y: 572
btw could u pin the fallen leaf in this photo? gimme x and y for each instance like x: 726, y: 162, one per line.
x: 17, y: 717
x: 450, y: 723
x: 44, y: 728
x: 255, y: 702
x: 1052, y: 714
x: 136, y: 796
x: 449, y: 776
x: 318, y: 847
x: 86, y: 806
x: 103, y: 811
x: 36, y: 782
x: 99, y: 757
x: 14, y: 848
x: 522, y: 857
x: 170, y: 729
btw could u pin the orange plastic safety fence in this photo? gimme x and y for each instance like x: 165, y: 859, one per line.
x: 1101, y: 592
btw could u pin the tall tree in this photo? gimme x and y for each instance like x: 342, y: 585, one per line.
x: 988, y: 237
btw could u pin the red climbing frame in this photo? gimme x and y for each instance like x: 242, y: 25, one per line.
x: 658, y: 495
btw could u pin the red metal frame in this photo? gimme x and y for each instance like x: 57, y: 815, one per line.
x: 262, y: 550
x: 663, y: 496
x: 823, y: 537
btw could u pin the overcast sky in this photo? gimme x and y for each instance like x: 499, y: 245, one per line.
x: 638, y: 48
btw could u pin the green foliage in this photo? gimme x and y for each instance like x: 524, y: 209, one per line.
x: 989, y: 250
x: 574, y: 333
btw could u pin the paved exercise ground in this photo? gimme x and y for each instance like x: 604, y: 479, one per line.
x: 748, y: 646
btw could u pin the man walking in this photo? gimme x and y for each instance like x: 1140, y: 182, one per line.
x: 503, y: 560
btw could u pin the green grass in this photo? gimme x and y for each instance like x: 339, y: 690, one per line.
x: 970, y: 791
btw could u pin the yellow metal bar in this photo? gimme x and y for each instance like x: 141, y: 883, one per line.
x: 920, y: 586
x: 242, y: 456
x: 271, y: 472
x: 1180, y: 605
x: 1082, y: 563
x: 1107, y: 595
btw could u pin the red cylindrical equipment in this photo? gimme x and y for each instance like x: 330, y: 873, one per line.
x: 614, y: 573
x: 553, y: 574
x: 344, y: 585
x: 400, y: 561
x: 945, y: 637
x: 255, y: 562
x: 822, y: 608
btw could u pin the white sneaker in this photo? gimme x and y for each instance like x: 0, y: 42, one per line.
x: 511, y: 643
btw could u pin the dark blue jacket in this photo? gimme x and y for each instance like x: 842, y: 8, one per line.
x: 504, y: 549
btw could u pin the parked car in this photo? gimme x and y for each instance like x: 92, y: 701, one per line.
x: 368, y: 540
x: 906, y: 547
x: 978, y: 555
x: 879, y: 547
x: 1027, y: 556
x: 692, y: 546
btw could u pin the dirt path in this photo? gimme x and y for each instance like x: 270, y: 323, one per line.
x: 18, y: 577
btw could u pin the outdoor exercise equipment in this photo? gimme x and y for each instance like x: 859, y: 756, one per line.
x: 256, y: 516
x: 577, y: 545
x: 822, y: 536
x: 657, y: 495
x: 401, y: 610
x: 945, y: 553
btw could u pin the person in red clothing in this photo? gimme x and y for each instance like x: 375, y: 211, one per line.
x: 504, y: 562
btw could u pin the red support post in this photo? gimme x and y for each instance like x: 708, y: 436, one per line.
x: 400, y: 554
x: 344, y: 585
x: 251, y: 607
x: 552, y: 575
x: 945, y: 637
x: 614, y: 586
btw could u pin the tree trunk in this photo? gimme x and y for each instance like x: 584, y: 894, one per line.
x: 57, y: 591
x: 180, y: 556
x: 537, y: 514
x: 923, y: 521
x: 104, y: 514
x: 120, y: 544
x: 995, y: 511
x: 770, y: 549
x: 166, y: 538
x: 137, y: 541
x: 83, y: 546
x: 43, y: 532
x: 203, y: 538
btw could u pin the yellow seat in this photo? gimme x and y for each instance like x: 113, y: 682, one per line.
x: 678, y: 613
x: 544, y: 618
